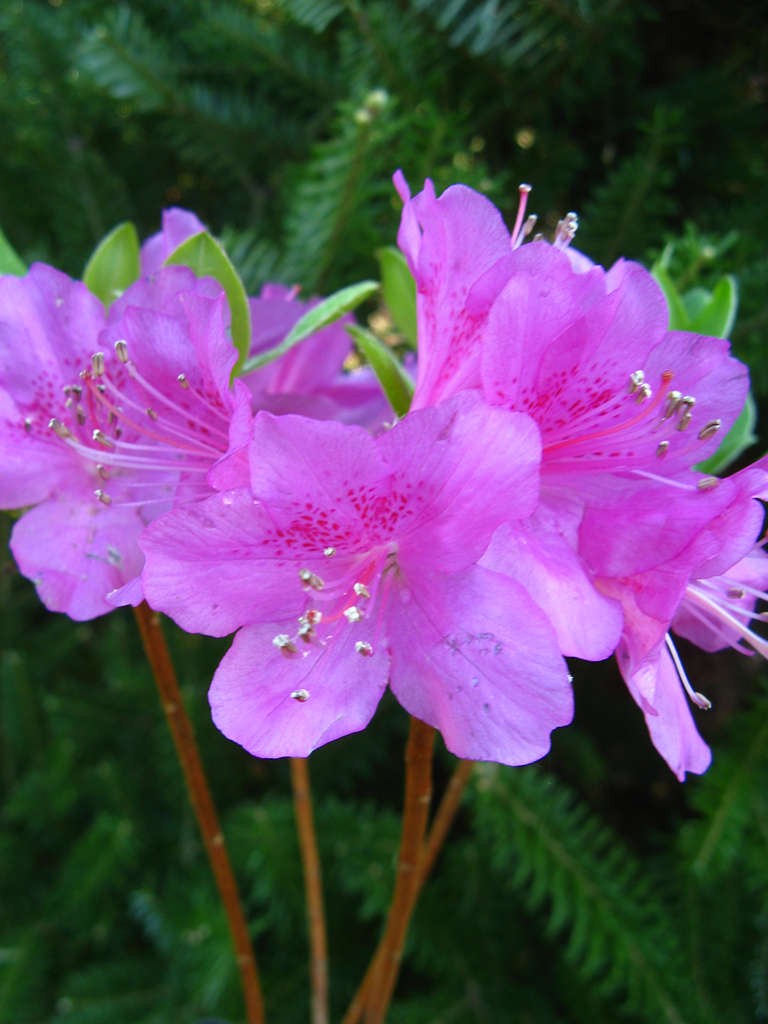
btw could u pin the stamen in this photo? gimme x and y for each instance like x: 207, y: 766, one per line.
x: 662, y: 448
x: 182, y: 379
x: 566, y: 230
x: 709, y: 430
x: 121, y: 350
x: 353, y: 614
x: 101, y: 438
x: 697, y: 698
x: 310, y: 580
x: 674, y: 399
x: 364, y: 648
x: 517, y: 234
x: 300, y: 695
x: 97, y: 363
x: 284, y: 643
x: 708, y: 483
x: 361, y: 590
x: 329, y: 552
x: 59, y: 429
x: 102, y: 496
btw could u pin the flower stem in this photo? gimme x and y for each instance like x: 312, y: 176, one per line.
x: 446, y: 812
x: 418, y: 793
x: 313, y: 887
x: 199, y: 794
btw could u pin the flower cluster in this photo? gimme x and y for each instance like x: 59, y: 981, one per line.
x: 540, y: 500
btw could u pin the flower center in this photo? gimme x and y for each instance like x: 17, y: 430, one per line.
x: 137, y: 436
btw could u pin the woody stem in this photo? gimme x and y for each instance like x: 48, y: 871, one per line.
x: 446, y: 812
x: 159, y: 658
x: 313, y: 887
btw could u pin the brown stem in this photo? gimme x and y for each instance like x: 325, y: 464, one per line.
x: 418, y: 793
x: 441, y: 824
x: 313, y: 887
x: 187, y: 752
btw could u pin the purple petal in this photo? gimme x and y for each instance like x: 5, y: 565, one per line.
x: 337, y: 691
x: 669, y: 718
x: 473, y: 656
x: 466, y: 467
x: 213, y: 566
x: 178, y: 226
x: 77, y: 552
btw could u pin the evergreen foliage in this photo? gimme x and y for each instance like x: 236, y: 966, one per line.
x: 590, y: 888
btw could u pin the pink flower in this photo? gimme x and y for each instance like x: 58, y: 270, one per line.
x: 351, y: 561
x: 105, y: 420
x: 684, y: 561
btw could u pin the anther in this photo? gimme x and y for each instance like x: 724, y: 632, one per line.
x: 736, y: 593
x: 674, y: 398
x: 708, y: 483
x: 152, y: 414
x: 329, y: 552
x: 353, y: 614
x: 182, y: 379
x: 709, y: 430
x: 636, y: 379
x: 643, y: 392
x: 361, y: 590
x: 364, y: 648
x: 101, y: 438
x: 310, y: 579
x: 121, y: 350
x: 284, y: 643
x: 102, y: 496
x: 300, y: 695
x: 59, y: 429
x: 661, y: 449
x: 97, y: 363
x: 306, y: 631
x: 27, y: 424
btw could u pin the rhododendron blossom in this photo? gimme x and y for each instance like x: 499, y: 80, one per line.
x: 701, y: 579
x: 350, y: 562
x: 106, y: 419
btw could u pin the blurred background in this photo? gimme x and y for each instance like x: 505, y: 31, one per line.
x: 591, y: 887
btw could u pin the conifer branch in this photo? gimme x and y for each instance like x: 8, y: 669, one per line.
x: 200, y: 797
x: 313, y: 888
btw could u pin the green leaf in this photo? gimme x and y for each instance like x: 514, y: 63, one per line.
x: 678, y: 315
x: 395, y: 382
x: 113, y: 264
x: 10, y: 261
x: 740, y: 437
x: 399, y: 290
x: 719, y: 313
x: 206, y: 257
x: 321, y: 315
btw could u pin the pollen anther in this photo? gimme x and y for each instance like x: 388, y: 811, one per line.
x: 300, y: 695
x: 708, y: 483
x: 364, y: 648
x: 59, y: 429
x: 97, y: 363
x: 361, y: 590
x: 329, y: 552
x: 662, y: 449
x: 310, y: 579
x: 284, y: 643
x: 121, y: 350
x: 101, y: 438
x: 709, y: 430
x: 353, y: 614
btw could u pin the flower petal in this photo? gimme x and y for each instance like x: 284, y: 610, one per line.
x: 336, y: 691
x: 473, y: 656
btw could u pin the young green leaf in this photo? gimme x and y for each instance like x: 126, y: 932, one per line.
x: 321, y: 315
x: 678, y: 315
x: 203, y: 254
x: 395, y: 382
x: 719, y: 313
x: 113, y: 264
x: 10, y: 261
x: 399, y: 290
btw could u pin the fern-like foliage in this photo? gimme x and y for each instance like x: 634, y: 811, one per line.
x: 596, y: 900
